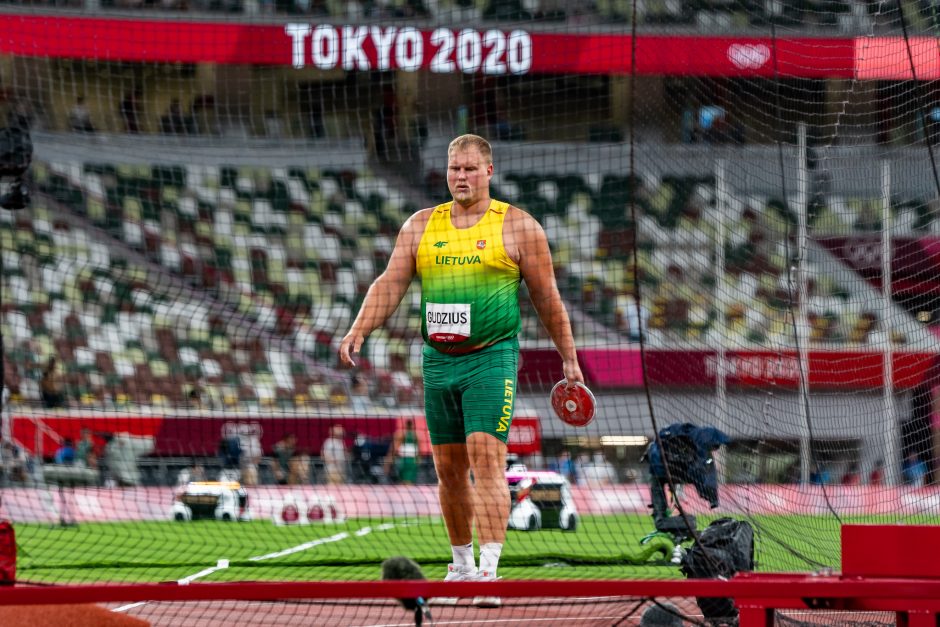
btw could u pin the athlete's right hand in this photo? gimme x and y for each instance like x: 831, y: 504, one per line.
x: 350, y: 346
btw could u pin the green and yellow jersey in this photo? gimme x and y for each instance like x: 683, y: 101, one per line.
x: 469, y: 284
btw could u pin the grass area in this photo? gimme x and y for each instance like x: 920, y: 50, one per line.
x: 602, y: 547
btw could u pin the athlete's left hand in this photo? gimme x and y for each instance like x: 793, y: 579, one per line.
x: 350, y: 346
x: 572, y: 371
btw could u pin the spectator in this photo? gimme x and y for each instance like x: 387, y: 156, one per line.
x: 334, y: 456
x: 130, y: 110
x: 403, y: 453
x: 13, y: 462
x: 917, y: 431
x: 851, y: 476
x: 65, y: 454
x: 250, y: 442
x: 174, y: 122
x: 196, y: 396
x: 298, y: 469
x: 121, y: 454
x: 599, y: 472
x: 230, y: 452
x: 194, y: 473
x: 50, y: 386
x: 631, y: 320
x: 359, y: 399
x: 85, y: 453
x: 914, y: 470
x: 361, y: 453
x: 792, y: 473
x: 820, y: 476
x: 80, y: 117
x: 338, y: 396
x: 565, y: 466
x: 877, y: 475
x: 283, y: 452
x: 385, y: 391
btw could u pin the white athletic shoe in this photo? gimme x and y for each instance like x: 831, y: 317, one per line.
x: 455, y: 573
x: 487, y: 601
x: 460, y: 573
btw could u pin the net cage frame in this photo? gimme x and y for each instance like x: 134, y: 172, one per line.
x: 757, y: 595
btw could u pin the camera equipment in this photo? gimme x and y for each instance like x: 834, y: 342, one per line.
x: 16, y: 153
x: 682, y: 454
x: 687, y: 452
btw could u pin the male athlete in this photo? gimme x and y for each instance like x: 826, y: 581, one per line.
x: 470, y: 255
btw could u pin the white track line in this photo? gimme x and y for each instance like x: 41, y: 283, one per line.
x: 129, y: 606
x: 300, y: 547
x: 220, y: 565
x: 223, y: 564
x: 314, y: 543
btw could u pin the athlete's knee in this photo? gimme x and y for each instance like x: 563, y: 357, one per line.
x: 452, y: 469
x: 487, y: 465
x: 452, y: 476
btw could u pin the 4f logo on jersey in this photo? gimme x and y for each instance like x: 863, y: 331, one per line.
x: 481, y: 244
x: 440, y: 245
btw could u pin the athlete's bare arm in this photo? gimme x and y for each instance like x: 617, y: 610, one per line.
x: 388, y: 289
x: 527, y: 244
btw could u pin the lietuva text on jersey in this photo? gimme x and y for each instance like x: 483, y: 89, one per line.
x: 446, y: 260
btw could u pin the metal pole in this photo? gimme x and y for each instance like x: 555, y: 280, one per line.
x: 802, y: 326
x: 721, y: 288
x: 891, y: 451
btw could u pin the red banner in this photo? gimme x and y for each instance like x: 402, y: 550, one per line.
x: 443, y: 50
x: 832, y: 370
x: 199, y: 435
x: 894, y: 58
x: 525, y: 436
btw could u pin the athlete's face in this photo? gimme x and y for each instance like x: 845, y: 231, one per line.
x: 468, y: 176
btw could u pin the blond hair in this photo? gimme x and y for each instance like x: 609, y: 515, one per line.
x: 472, y: 141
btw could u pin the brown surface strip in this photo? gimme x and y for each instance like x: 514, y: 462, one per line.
x: 84, y: 615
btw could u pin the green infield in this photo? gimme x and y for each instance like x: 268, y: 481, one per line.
x: 602, y: 547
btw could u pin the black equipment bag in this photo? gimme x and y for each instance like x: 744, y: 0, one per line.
x: 724, y: 548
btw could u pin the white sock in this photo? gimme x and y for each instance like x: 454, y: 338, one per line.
x: 489, y: 557
x: 463, y: 554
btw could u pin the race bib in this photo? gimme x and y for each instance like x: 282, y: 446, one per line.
x: 447, y: 322
x: 408, y: 449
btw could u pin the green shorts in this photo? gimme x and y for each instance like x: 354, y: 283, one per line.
x: 470, y: 393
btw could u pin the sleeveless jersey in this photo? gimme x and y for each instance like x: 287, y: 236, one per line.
x: 469, y: 285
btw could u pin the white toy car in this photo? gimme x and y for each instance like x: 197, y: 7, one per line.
x: 219, y: 500
x: 540, y: 499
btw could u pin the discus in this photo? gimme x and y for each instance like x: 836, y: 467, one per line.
x: 576, y: 406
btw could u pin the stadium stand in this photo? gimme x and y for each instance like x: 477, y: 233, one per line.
x: 293, y: 250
